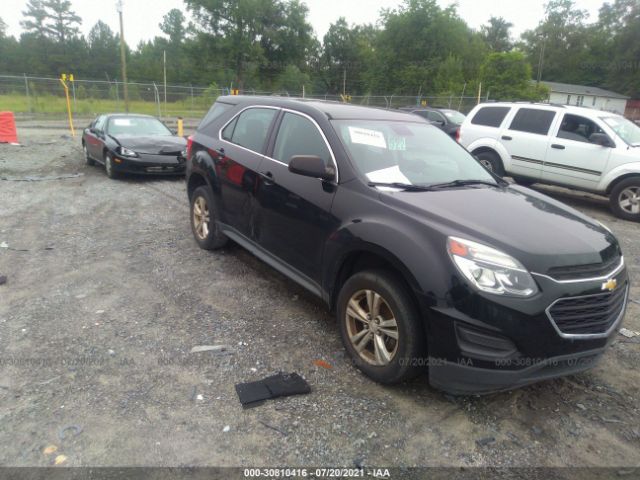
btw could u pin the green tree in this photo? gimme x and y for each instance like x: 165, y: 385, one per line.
x: 3, y: 28
x: 415, y: 39
x: 61, y: 22
x: 173, y: 26
x: 497, y: 34
x: 104, y: 51
x: 507, y: 76
x: 450, y: 77
x: 35, y: 17
x: 564, y: 36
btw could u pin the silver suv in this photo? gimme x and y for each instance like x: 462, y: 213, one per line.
x: 575, y: 147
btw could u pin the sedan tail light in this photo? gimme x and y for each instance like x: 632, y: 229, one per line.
x: 458, y: 134
x: 189, y: 145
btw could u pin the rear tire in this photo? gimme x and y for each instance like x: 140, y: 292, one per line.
x: 90, y: 161
x: 491, y: 161
x: 624, y: 199
x: 203, y: 220
x: 373, y: 307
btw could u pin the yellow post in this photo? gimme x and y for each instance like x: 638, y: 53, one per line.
x: 180, y: 127
x: 66, y: 92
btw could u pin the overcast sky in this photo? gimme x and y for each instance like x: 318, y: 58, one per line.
x: 141, y: 19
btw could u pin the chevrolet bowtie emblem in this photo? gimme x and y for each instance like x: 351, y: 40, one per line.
x: 610, y: 284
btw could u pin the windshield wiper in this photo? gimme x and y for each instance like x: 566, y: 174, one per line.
x: 404, y: 186
x: 462, y: 183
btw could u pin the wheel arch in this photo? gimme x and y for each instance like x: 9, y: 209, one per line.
x: 619, y: 179
x: 369, y: 256
x: 196, y: 179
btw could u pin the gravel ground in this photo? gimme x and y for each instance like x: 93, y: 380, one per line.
x: 107, y: 293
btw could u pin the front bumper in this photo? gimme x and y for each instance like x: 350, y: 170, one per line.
x: 482, y: 343
x: 147, y: 164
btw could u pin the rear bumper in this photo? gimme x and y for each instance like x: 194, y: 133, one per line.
x: 465, y: 379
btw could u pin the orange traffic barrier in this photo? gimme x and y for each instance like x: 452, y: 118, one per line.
x: 8, y: 132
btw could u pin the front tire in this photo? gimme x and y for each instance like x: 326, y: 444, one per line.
x: 624, y: 199
x: 380, y: 326
x: 525, y: 182
x: 108, y: 166
x: 203, y: 222
x: 491, y: 161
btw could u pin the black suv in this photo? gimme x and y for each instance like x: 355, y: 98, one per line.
x: 428, y: 259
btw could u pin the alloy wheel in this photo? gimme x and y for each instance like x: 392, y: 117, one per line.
x: 629, y: 200
x: 371, y: 327
x: 201, y: 217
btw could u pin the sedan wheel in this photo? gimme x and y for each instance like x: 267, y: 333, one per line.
x: 87, y: 158
x: 108, y: 166
x: 372, y: 327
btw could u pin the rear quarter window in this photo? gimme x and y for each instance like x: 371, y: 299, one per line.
x: 490, y: 116
x: 213, y: 113
x: 532, y: 120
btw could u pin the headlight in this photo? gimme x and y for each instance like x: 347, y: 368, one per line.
x: 491, y: 270
x: 183, y: 153
x: 126, y: 152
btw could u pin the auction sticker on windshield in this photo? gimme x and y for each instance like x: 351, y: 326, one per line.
x: 365, y: 136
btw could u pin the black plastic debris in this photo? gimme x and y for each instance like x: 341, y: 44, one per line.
x: 3, y: 279
x: 252, y: 394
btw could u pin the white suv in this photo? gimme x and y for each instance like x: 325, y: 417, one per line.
x: 574, y: 147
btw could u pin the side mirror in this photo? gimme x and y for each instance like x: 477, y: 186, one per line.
x: 601, y: 139
x: 311, y: 166
x: 93, y: 130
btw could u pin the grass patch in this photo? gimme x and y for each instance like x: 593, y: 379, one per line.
x: 56, y: 106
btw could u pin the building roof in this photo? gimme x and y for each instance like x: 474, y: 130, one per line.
x: 582, y: 90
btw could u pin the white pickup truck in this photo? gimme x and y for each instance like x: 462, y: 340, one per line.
x: 575, y: 147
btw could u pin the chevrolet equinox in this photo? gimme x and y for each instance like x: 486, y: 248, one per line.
x: 430, y: 262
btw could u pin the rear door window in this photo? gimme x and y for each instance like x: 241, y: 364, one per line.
x: 250, y: 129
x: 490, y: 116
x: 532, y: 120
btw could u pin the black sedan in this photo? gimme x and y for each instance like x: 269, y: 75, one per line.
x: 126, y: 143
x: 445, y: 119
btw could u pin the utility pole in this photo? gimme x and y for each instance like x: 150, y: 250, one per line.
x: 344, y: 82
x: 541, y: 60
x: 164, y: 59
x: 123, y: 58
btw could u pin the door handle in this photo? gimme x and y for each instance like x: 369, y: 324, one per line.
x: 506, y: 137
x: 267, y: 178
x: 557, y: 146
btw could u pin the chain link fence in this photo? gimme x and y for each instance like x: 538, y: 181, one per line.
x: 30, y: 96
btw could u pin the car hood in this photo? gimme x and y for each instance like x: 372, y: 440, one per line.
x: 537, y: 230
x: 153, y: 144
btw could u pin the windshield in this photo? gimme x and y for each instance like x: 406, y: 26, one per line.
x: 454, y: 117
x: 137, y: 126
x: 407, y: 153
x: 626, y: 130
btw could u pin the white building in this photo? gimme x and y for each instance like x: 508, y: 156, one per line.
x: 592, y: 97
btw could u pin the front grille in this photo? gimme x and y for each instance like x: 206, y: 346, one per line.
x: 578, y: 272
x: 590, y: 314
